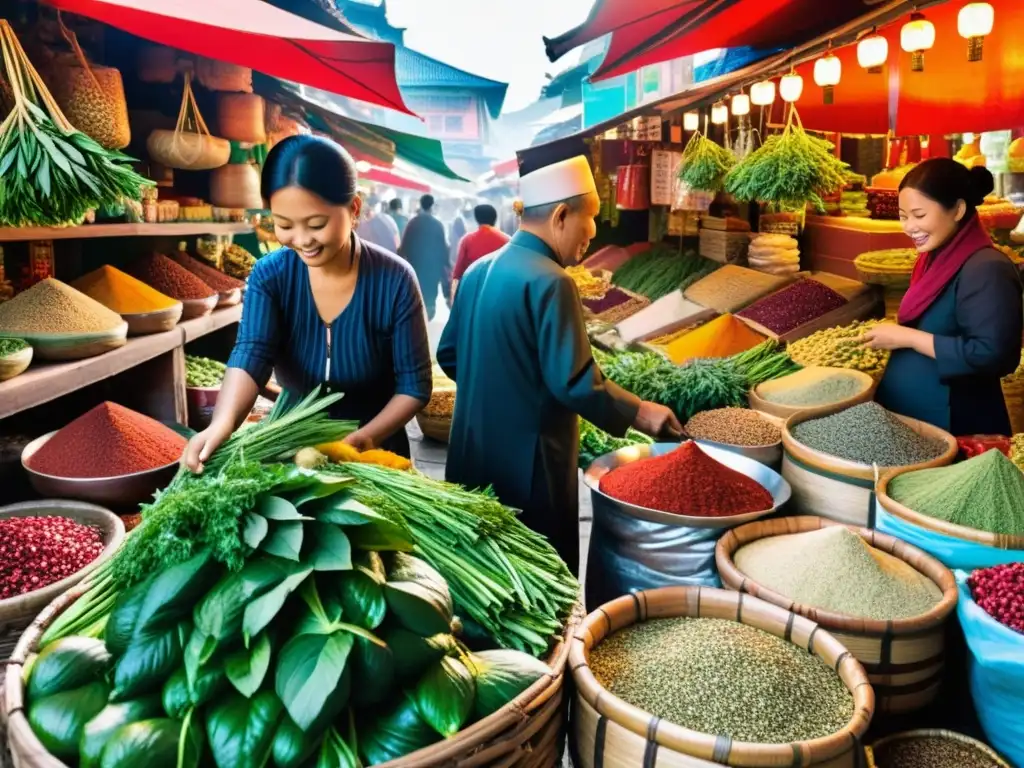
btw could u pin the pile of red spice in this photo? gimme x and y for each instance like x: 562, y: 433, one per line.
x: 999, y: 591
x: 212, y: 277
x: 108, y: 441
x: 38, y: 551
x: 170, y: 278
x: 686, y: 482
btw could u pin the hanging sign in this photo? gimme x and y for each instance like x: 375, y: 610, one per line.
x: 664, y: 165
x: 647, y: 128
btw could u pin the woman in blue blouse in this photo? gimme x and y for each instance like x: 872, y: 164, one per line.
x: 327, y: 308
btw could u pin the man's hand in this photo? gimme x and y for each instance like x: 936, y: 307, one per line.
x: 657, y: 421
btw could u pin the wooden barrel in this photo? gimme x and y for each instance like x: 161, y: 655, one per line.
x: 904, y: 658
x: 525, y: 733
x: 876, y: 752
x: 842, y: 490
x: 607, y: 732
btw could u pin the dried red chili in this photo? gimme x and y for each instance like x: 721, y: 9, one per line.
x: 170, y: 278
x: 38, y: 551
x: 686, y: 482
x: 108, y: 441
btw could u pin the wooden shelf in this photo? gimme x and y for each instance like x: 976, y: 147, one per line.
x: 44, y: 382
x: 172, y: 229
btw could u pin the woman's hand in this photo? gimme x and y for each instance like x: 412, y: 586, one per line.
x: 891, y: 336
x: 359, y: 440
x: 202, y: 445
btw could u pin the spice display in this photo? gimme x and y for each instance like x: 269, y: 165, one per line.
x: 840, y: 347
x: 868, y: 434
x: 121, y: 292
x: 38, y: 551
x: 238, y: 262
x: 10, y: 347
x: 999, y: 591
x: 442, y: 397
x: 705, y: 164
x: 774, y: 254
x: 721, y: 677
x: 169, y: 277
x: 733, y: 426
x: 836, y: 570
x: 212, y: 277
x: 983, y: 493
x: 51, y: 306
x: 203, y: 372
x: 621, y: 311
x: 833, y: 388
x: 612, y: 298
x: 668, y: 338
x: 595, y: 442
x: 661, y: 270
x: 722, y: 337
x: 108, y: 441
x: 589, y: 285
x: 793, y: 306
x: 732, y: 288
x: 931, y: 752
x: 686, y: 482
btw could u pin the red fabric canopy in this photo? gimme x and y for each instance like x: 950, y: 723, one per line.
x: 506, y: 167
x: 639, y: 18
x: 391, y: 178
x: 255, y: 34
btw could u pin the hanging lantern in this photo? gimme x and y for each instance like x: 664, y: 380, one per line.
x: 872, y: 53
x: 916, y: 37
x: 827, y: 72
x: 791, y: 87
x: 974, y: 21
x: 719, y: 114
x: 763, y: 94
x: 691, y: 121
x: 740, y: 104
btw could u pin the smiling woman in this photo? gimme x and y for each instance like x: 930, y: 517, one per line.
x: 325, y: 309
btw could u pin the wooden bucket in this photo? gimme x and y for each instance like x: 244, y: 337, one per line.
x: 878, y: 748
x: 842, y: 490
x: 608, y: 732
x: 525, y: 733
x: 804, y: 377
x: 904, y: 658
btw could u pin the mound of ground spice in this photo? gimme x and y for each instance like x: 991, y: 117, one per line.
x: 170, y: 278
x: 108, y: 441
x: 686, y: 482
x: 212, y: 277
x: 122, y: 293
x: 51, y: 306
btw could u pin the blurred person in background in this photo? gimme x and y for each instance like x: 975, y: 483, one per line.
x: 377, y: 227
x: 395, y: 210
x: 483, y: 242
x: 425, y: 247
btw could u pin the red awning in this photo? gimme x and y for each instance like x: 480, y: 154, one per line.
x: 506, y: 167
x: 394, y: 179
x: 255, y: 34
x: 639, y: 18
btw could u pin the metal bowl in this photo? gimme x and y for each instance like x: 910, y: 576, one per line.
x: 772, y: 481
x: 124, y: 490
x: 769, y: 455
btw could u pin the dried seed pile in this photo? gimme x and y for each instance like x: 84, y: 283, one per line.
x: 830, y: 389
x: 931, y: 752
x: 732, y: 288
x: 722, y: 677
x: 835, y: 569
x: 211, y: 276
x: 800, y: 303
x: 999, y: 591
x: 840, y: 347
x: 868, y: 434
x: 170, y: 278
x: 38, y: 551
x: 51, y: 306
x: 733, y: 426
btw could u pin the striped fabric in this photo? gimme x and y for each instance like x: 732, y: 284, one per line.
x: 379, y: 344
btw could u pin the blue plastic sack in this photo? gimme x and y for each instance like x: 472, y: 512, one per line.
x: 996, y: 668
x: 950, y: 551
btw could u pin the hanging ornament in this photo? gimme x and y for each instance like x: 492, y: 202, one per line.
x: 791, y: 87
x: 719, y: 114
x: 763, y: 94
x: 916, y: 37
x: 827, y: 72
x: 873, y: 52
x: 691, y: 121
x: 740, y: 104
x: 974, y: 22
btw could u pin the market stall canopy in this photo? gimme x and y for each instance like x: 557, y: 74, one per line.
x: 394, y: 178
x: 255, y: 34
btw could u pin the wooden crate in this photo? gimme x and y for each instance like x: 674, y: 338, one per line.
x: 860, y: 306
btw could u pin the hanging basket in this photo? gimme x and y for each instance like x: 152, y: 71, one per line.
x: 236, y: 186
x: 223, y: 76
x: 157, y: 64
x: 189, y: 150
x: 240, y: 117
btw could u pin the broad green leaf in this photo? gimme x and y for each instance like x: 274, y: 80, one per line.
x: 247, y: 667
x: 148, y: 662
x: 152, y: 743
x: 241, y: 731
x: 8, y: 161
x: 293, y: 747
x: 414, y: 654
x: 284, y: 540
x: 73, y: 154
x: 209, y: 684
x: 382, y: 535
x: 395, y: 734
x: 500, y: 676
x: 254, y: 529
x: 59, y: 720
x: 278, y: 509
x: 444, y: 696
x: 373, y: 671
x: 341, y: 509
x: 260, y: 612
x: 99, y: 730
x: 326, y: 486
x: 220, y: 613
x: 418, y: 596
x: 361, y: 597
x: 327, y: 548
x: 335, y: 752
x: 173, y: 593
x: 66, y: 664
x: 310, y: 669
x: 176, y: 699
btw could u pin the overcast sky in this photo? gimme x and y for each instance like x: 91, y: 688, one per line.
x: 499, y: 39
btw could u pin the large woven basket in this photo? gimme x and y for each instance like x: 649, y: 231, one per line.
x: 879, y: 746
x: 805, y: 377
x: 437, y: 428
x: 607, y: 731
x: 904, y: 658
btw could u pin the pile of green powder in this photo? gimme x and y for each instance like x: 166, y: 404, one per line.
x: 831, y: 389
x: 836, y: 570
x: 868, y: 434
x: 985, y: 493
x: 723, y: 678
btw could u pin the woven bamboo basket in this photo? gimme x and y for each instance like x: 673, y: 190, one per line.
x: 804, y: 377
x: 241, y: 117
x: 216, y: 75
x: 876, y: 751
x: 843, y: 490
x: 525, y: 733
x: 608, y: 732
x: 904, y: 658
x: 190, y: 146
x: 435, y: 427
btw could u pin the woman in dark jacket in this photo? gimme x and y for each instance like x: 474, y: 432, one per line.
x: 960, y: 323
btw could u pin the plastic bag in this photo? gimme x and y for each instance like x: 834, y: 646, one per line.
x: 996, y: 670
x: 950, y: 551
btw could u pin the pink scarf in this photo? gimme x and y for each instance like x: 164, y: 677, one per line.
x: 934, y: 270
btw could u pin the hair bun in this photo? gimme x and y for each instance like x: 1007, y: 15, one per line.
x: 982, y: 183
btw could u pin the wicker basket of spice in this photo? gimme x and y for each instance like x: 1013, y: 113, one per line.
x: 685, y: 651
x: 813, y: 391
x: 895, y: 599
x: 932, y: 747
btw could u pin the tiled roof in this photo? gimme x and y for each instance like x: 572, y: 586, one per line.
x: 417, y: 70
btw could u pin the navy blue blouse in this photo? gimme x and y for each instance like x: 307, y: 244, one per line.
x: 378, y: 345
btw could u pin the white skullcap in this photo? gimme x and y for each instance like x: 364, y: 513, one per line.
x: 554, y: 183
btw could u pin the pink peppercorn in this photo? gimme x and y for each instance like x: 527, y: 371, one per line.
x: 38, y: 551
x: 999, y: 591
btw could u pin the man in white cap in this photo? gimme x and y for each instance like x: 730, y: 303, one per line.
x: 517, y: 347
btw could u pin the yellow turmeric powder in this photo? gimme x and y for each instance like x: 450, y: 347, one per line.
x: 122, y: 293
x: 341, y: 453
x: 722, y: 337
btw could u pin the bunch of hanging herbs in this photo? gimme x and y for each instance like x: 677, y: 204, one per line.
x: 705, y: 164
x: 52, y: 174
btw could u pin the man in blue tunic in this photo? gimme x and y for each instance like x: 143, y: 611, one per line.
x: 517, y: 347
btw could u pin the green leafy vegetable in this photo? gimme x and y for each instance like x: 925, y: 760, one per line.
x: 292, y: 745
x: 99, y: 730
x: 152, y: 743
x: 68, y: 664
x: 246, y: 668
x: 705, y: 163
x: 500, y: 676
x: 444, y: 696
x: 418, y: 596
x: 148, y: 662
x: 59, y: 720
x: 311, y: 676
x: 595, y: 442
x: 241, y: 731
x: 661, y: 270
x: 396, y: 733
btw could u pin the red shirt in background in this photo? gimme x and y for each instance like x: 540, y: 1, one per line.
x: 475, y: 246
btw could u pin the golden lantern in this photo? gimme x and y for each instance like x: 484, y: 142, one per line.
x: 740, y: 104
x: 828, y: 70
x: 791, y: 87
x: 916, y: 37
x: 974, y: 22
x: 872, y: 53
x: 763, y: 94
x: 691, y: 121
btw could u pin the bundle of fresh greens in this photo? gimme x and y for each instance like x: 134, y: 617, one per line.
x: 705, y: 164
x: 661, y: 270
x: 791, y: 169
x: 52, y: 173
x: 595, y: 443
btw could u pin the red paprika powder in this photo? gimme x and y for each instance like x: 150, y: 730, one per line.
x: 686, y: 482
x: 108, y: 441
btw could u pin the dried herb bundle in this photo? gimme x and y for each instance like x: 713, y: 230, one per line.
x: 705, y: 163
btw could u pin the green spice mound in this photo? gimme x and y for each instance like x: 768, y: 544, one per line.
x: 831, y: 389
x: 723, y: 678
x: 868, y: 434
x: 9, y: 347
x: 836, y: 570
x: 985, y: 493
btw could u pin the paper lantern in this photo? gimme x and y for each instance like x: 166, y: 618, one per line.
x: 974, y: 21
x: 719, y: 114
x: 828, y: 70
x: 916, y: 37
x: 740, y: 104
x: 763, y: 94
x: 872, y: 53
x: 691, y: 121
x: 791, y: 87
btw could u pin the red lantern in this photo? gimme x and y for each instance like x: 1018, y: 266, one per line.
x: 633, y: 188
